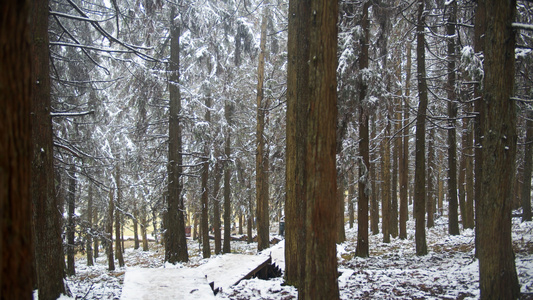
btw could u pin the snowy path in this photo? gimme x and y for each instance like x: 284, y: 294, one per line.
x: 161, y: 284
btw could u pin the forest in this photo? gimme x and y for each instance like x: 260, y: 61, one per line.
x: 370, y: 138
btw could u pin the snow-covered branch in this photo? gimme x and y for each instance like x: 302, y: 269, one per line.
x: 523, y: 26
x: 75, y: 114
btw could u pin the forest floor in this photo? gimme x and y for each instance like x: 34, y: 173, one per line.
x: 392, y: 271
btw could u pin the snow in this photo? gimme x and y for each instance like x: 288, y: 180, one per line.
x: 393, y: 271
x: 162, y: 283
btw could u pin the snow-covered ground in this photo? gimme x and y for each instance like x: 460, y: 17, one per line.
x: 393, y: 271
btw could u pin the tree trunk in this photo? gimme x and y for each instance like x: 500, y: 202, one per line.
x: 16, y: 239
x: 118, y: 238
x: 430, y: 192
x: 341, y: 235
x: 321, y: 254
x: 175, y: 240
x: 136, y: 242
x: 109, y: 232
x: 263, y: 240
x: 404, y: 161
x: 526, y: 186
x: 95, y: 223
x: 89, y: 235
x: 297, y: 100
x: 497, y: 271
x: 226, y: 247
x: 49, y: 255
x: 374, y: 203
x: 364, y: 142
x: 71, y: 226
x: 216, y: 208
x: 206, y: 249
x: 351, y: 199
x: 453, y: 221
x: 420, y: 151
x: 385, y: 186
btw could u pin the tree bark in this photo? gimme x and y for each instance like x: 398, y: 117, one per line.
x: 206, y: 249
x: 216, y: 208
x: 109, y: 232
x: 71, y: 226
x: 89, y: 235
x: 430, y: 186
x: 49, y: 255
x: 526, y: 186
x: 497, y: 271
x: 385, y: 185
x: 16, y: 239
x: 364, y: 142
x: 118, y: 238
x: 321, y: 255
x: 453, y: 221
x: 226, y: 247
x: 175, y: 240
x: 404, y: 161
x: 420, y: 151
x: 263, y: 235
x: 136, y: 242
x: 374, y: 203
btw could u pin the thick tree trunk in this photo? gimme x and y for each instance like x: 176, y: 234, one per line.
x: 71, y: 226
x: 364, y: 142
x: 453, y: 221
x: 136, y: 242
x: 49, y: 255
x: 351, y: 198
x: 420, y: 143
x: 321, y: 255
x: 497, y: 271
x: 16, y: 239
x: 263, y: 239
x: 175, y: 240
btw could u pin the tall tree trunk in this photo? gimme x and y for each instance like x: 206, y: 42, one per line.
x: 216, y: 208
x: 136, y: 242
x: 374, y: 203
x: 364, y: 142
x: 497, y: 271
x: 206, y: 249
x: 341, y: 235
x: 479, y: 123
x: 96, y: 240
x: 430, y: 192
x: 49, y: 255
x: 71, y: 226
x: 351, y: 198
x: 404, y: 161
x: 175, y: 240
x: 321, y: 254
x: 118, y: 238
x: 385, y: 186
x: 226, y: 247
x: 16, y: 239
x: 453, y: 221
x: 89, y: 235
x: 263, y: 240
x: 526, y: 186
x: 109, y: 232
x: 420, y: 143
x: 469, y: 178
x: 144, y: 227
